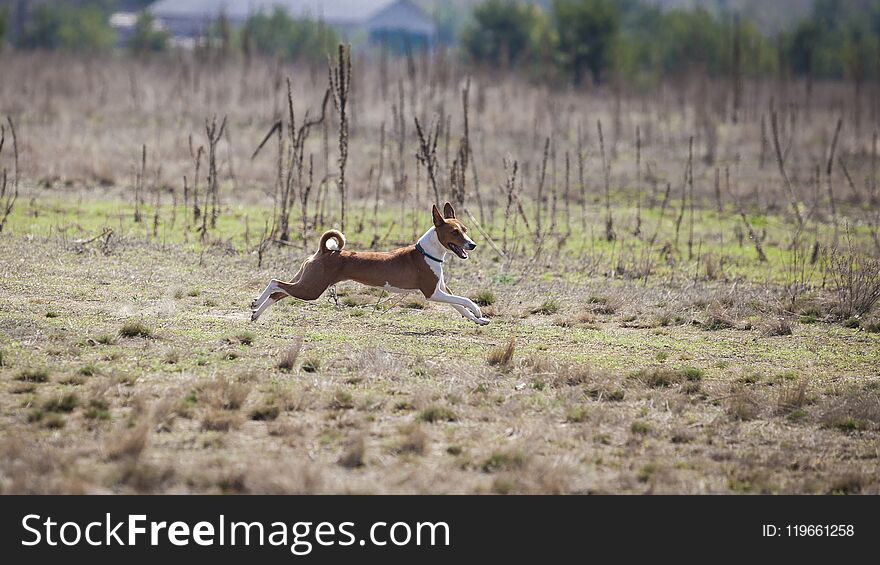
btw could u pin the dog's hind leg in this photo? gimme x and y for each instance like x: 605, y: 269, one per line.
x: 306, y: 288
x: 273, y: 286
x: 270, y: 288
x: 270, y: 300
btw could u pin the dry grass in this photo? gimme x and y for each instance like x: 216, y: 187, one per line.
x: 354, y: 453
x: 224, y: 393
x: 288, y: 356
x: 627, y: 380
x: 502, y: 356
x: 742, y: 404
x: 852, y: 411
x: 128, y: 444
x: 414, y: 440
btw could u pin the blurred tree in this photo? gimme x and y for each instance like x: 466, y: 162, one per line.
x: 692, y: 40
x: 503, y: 32
x: 278, y: 34
x: 75, y: 28
x: 4, y: 24
x: 146, y: 37
x: 587, y: 31
x: 839, y: 39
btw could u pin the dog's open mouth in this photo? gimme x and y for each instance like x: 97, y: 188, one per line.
x: 458, y: 251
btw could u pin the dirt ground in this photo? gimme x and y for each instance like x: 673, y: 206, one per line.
x: 680, y: 298
x: 138, y: 371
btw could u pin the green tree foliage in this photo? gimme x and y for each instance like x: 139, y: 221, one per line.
x: 840, y: 39
x: 146, y: 37
x: 277, y: 34
x: 504, y: 32
x: 74, y: 28
x: 587, y: 31
x: 4, y: 24
x: 642, y: 42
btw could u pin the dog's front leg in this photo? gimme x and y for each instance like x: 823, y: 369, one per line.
x: 460, y: 302
x: 469, y: 315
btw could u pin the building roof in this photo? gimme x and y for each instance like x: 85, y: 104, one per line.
x: 402, y: 14
x: 331, y: 11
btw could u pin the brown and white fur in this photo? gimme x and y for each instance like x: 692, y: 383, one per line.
x: 401, y: 270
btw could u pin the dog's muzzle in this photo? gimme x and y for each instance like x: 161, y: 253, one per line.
x: 462, y: 254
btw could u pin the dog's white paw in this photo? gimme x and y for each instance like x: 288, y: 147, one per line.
x: 254, y: 316
x: 482, y: 321
x: 255, y: 303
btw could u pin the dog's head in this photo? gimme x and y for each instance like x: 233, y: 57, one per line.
x: 452, y: 233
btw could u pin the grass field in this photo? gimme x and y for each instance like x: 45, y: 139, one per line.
x: 681, y: 301
x: 135, y: 369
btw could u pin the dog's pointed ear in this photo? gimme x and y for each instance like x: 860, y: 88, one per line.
x: 438, y: 219
x: 448, y: 211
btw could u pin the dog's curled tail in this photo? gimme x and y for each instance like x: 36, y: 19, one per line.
x: 328, y: 246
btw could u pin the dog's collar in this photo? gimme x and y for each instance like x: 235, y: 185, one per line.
x: 421, y: 250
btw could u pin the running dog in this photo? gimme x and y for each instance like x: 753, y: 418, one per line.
x: 414, y: 267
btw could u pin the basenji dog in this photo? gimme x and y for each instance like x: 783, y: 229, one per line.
x: 414, y: 267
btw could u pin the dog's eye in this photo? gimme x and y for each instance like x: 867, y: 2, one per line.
x: 455, y: 232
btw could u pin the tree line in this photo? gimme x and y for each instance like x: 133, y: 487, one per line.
x: 630, y: 39
x: 85, y: 27
x: 571, y: 40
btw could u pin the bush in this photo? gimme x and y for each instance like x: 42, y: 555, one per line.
x: 504, y: 32
x: 279, y: 35
x: 146, y: 37
x: 587, y: 30
x: 72, y: 28
x: 4, y: 24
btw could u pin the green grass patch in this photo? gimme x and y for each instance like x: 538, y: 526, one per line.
x: 135, y: 328
x: 437, y: 414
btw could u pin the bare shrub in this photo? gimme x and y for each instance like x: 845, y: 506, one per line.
x: 856, y: 283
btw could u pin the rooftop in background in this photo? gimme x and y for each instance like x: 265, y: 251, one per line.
x: 398, y: 24
x: 331, y: 11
